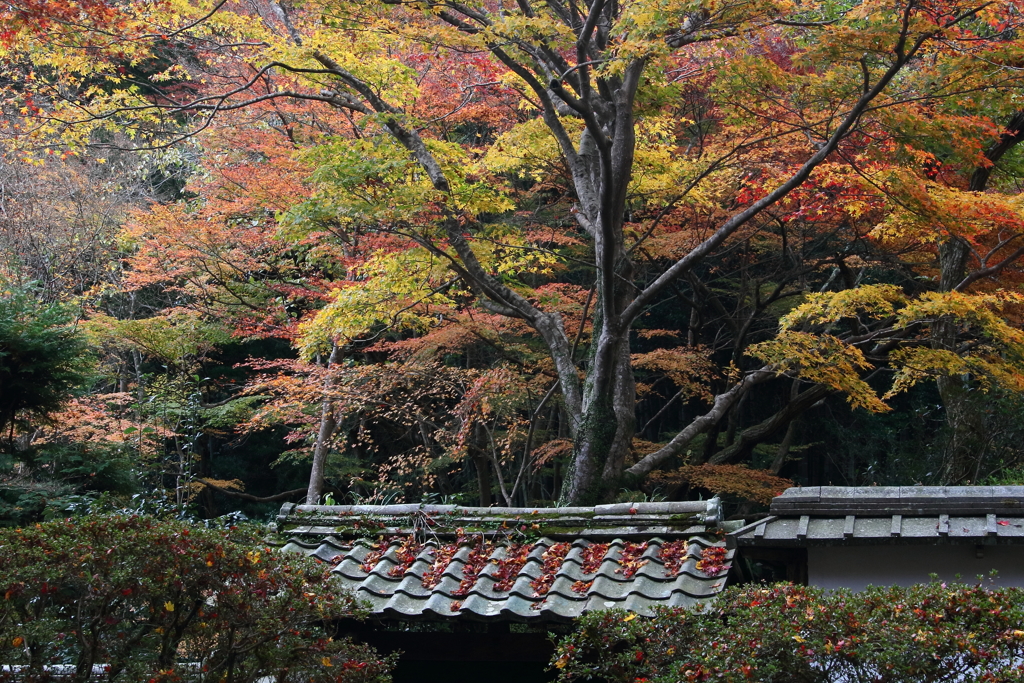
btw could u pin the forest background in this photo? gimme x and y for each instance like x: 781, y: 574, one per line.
x: 505, y: 253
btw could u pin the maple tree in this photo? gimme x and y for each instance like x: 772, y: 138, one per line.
x: 754, y: 485
x: 543, y: 179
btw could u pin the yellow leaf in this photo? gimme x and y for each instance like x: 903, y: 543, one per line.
x: 798, y: 639
x: 326, y: 661
x: 630, y: 617
x: 561, y: 662
x: 169, y: 606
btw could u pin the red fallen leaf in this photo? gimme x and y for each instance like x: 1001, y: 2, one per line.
x: 712, y: 560
x: 442, y: 557
x: 373, y: 557
x: 1003, y: 523
x: 508, y: 569
x: 592, y: 556
x: 673, y: 554
x: 632, y: 511
x: 552, y: 559
x: 406, y: 554
x: 630, y: 561
x: 478, y: 558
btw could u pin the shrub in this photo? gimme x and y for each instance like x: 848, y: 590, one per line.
x: 933, y: 632
x: 140, y: 600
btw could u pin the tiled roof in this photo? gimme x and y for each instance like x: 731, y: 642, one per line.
x: 511, y: 564
x: 830, y: 515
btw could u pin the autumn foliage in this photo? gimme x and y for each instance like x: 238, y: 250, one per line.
x: 138, y: 599
x: 736, y: 480
x: 516, y: 253
x: 932, y: 632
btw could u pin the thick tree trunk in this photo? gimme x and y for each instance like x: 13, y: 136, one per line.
x: 607, y: 423
x: 606, y: 431
x: 483, y: 480
x: 965, y: 417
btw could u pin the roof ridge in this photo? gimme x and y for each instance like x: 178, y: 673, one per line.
x: 616, y: 520
x: 889, y: 500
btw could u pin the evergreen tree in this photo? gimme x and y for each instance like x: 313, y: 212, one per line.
x: 42, y: 358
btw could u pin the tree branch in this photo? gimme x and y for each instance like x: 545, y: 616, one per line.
x: 752, y: 436
x: 250, y: 497
x: 722, y: 403
x: 803, y: 173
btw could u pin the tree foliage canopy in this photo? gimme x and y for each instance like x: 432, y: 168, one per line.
x: 592, y: 240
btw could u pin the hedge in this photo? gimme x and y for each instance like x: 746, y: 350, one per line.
x: 134, y: 599
x: 933, y: 632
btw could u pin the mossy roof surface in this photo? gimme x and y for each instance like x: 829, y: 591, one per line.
x: 516, y: 564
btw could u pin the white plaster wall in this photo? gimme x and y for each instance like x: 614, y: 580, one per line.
x: 857, y: 567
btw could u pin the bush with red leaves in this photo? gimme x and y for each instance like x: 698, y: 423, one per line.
x: 145, y: 600
x: 933, y: 633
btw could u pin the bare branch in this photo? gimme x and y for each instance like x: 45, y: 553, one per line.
x: 722, y: 403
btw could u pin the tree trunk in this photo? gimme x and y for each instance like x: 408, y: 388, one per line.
x: 787, y: 440
x: 964, y: 412
x: 964, y: 404
x: 605, y: 433
x: 601, y: 173
x: 328, y: 425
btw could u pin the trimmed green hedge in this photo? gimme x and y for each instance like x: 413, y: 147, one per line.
x: 136, y: 599
x: 934, y: 632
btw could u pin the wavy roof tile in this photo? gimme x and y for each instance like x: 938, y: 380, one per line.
x: 516, y: 564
